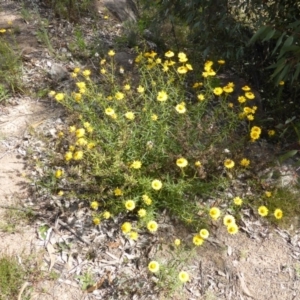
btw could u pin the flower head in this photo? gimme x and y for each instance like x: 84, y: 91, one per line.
x: 78, y: 155
x: 140, y: 89
x: 130, y: 115
x: 232, y: 229
x: 204, y: 233
x: 147, y: 200
x: 106, y: 215
x: 86, y: 73
x: 96, y: 221
x: 263, y: 211
x: 111, y: 53
x: 59, y: 97
x: 109, y: 111
x: 162, y: 96
x: 181, y: 162
x: 184, y: 276
x: 271, y: 132
x: 136, y: 164
x: 180, y: 108
x: 118, y: 192
x: 246, y: 88
x: 198, y: 163
x: 214, y: 213
x: 278, y: 213
x: 133, y: 235
x: 228, y: 89
x: 126, y: 227
x: 152, y: 226
x: 126, y: 87
x: 154, y: 117
x: 281, y: 82
x: 94, y: 205
x: 68, y: 156
x: 59, y: 173
x: 130, y: 205
x: 228, y: 220
x: 142, y: 213
x: 182, y: 57
x: 242, y: 99
x: 249, y: 95
x: 237, y: 201
x: 218, y: 91
x: 198, y: 240
x: 221, y: 61
x: 245, y: 162
x: 229, y: 164
x: 119, y: 95
x: 177, y: 242
x: 169, y: 54
x: 182, y: 70
x: 156, y: 184
x: 80, y: 132
x: 200, y: 97
x: 153, y: 266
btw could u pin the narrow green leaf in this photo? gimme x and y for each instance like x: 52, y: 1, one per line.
x: 279, y: 41
x: 262, y: 31
x: 280, y: 65
x: 287, y: 155
x: 269, y: 35
x: 288, y: 42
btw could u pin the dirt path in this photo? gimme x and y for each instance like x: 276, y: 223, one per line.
x: 259, y: 263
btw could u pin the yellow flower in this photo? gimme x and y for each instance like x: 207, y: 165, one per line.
x: 197, y: 84
x: 130, y: 205
x: 106, y: 215
x: 76, y: 70
x: 230, y: 104
x: 228, y: 163
x: 182, y: 57
x: 271, y: 132
x: 249, y: 95
x: 204, y: 233
x: 152, y: 226
x: 182, y: 70
x: 81, y: 85
x: 198, y: 163
x: 246, y: 88
x: 268, y: 194
x: 221, y: 62
x: 109, y: 111
x: 218, y: 91
x: 118, y: 192
x: 60, y: 193
x: 121, y: 70
x: 78, y: 155
x: 91, y: 145
x: 147, y: 200
x: 72, y: 129
x: 181, y: 162
x: 126, y: 87
x: 242, y: 99
x: 177, y: 242
x: 263, y: 211
x: 111, y: 53
x: 156, y: 184
x: 245, y: 162
x: 68, y: 156
x: 80, y: 132
x: 51, y: 94
x: 281, y: 82
x: 165, y: 68
x: 133, y: 235
x: 237, y: 201
x: 102, y: 61
x: 169, y: 54
x: 250, y: 117
x: 154, y: 117
x: 96, y: 221
x: 256, y: 129
x: 86, y: 73
x: 228, y: 89
x: 77, y: 97
x: 102, y: 71
x: 119, y: 96
x: 59, y: 96
x: 232, y: 229
x: 140, y: 89
x: 2, y: 30
x: 126, y: 227
x: 153, y: 266
x: 59, y: 173
x: 200, y: 97
x: 228, y: 220
x: 184, y: 276
x: 94, y: 205
x: 136, y: 164
x: 142, y: 212
x: 129, y: 115
x: 254, y: 135
x: 81, y: 142
x: 214, y: 213
x: 278, y: 213
x: 162, y: 96
x: 180, y: 108
x: 208, y: 64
